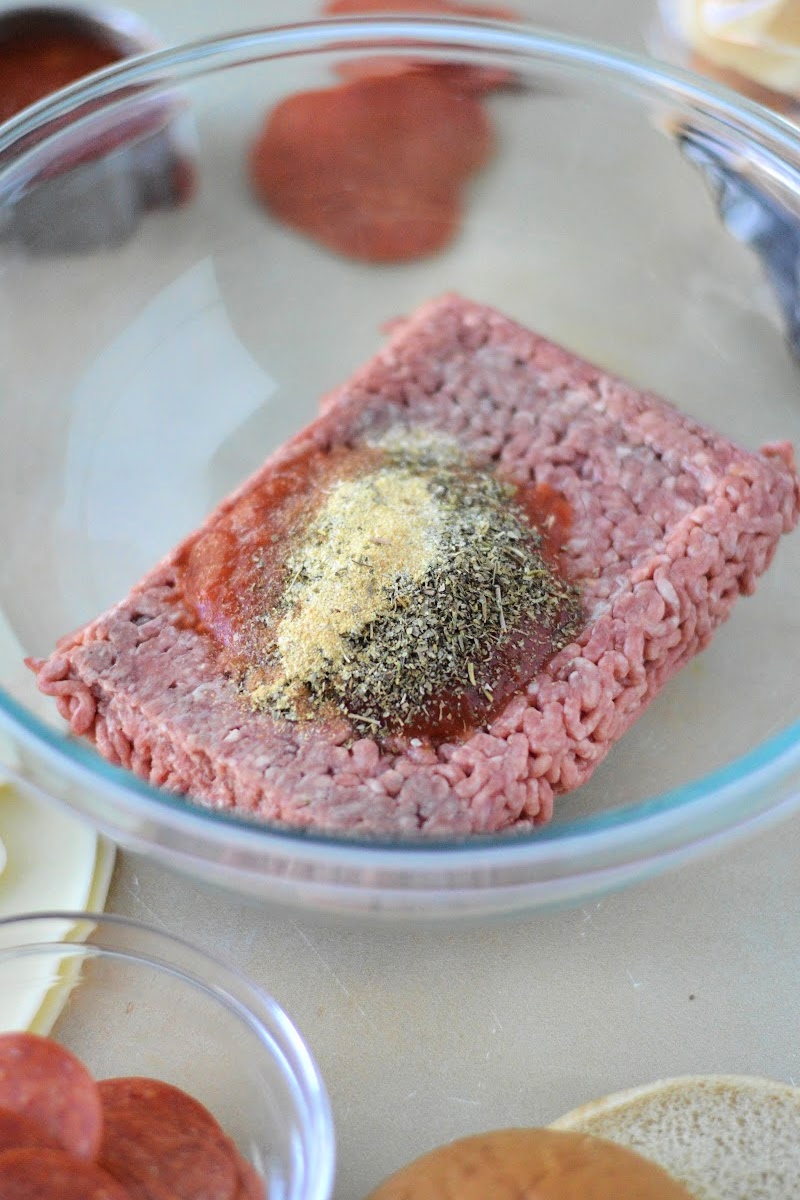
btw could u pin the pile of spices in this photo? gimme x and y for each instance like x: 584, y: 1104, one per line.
x: 404, y: 592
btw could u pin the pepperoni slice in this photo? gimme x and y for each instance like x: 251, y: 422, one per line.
x: 251, y: 1185
x: 477, y: 80
x: 430, y: 8
x: 372, y: 169
x: 419, y: 9
x: 17, y: 1132
x: 42, y: 1081
x: 162, y: 1144
x: 36, y: 1174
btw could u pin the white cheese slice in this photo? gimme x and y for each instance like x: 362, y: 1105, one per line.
x: 53, y: 862
x: 49, y: 861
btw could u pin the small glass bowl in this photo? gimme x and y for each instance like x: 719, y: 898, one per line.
x: 141, y: 383
x: 130, y: 1000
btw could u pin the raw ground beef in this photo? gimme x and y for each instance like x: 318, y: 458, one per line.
x: 672, y: 522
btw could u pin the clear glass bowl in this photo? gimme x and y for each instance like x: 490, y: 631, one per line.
x: 142, y: 380
x: 135, y: 1001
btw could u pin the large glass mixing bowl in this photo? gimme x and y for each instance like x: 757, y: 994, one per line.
x: 161, y: 334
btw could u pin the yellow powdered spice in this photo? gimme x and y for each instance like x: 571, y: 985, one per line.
x: 371, y: 531
x: 401, y: 591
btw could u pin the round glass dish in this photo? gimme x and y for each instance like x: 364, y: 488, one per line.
x: 141, y: 382
x: 134, y: 1001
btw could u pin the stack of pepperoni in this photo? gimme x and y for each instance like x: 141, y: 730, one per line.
x: 374, y: 168
x: 64, y: 1136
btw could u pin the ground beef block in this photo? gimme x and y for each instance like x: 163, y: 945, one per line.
x: 672, y: 522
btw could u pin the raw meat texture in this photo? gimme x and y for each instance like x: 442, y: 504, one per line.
x: 672, y: 523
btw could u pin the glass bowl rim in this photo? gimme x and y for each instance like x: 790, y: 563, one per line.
x: 656, y: 824
x: 387, y: 33
x: 231, y: 987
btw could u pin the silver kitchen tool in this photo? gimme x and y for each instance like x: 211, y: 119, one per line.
x: 765, y: 221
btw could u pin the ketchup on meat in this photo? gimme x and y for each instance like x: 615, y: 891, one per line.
x: 234, y: 573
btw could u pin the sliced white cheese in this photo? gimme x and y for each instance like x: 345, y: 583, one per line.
x: 53, y: 862
x: 49, y: 861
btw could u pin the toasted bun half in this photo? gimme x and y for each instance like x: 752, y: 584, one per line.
x: 725, y: 1137
x: 537, y: 1164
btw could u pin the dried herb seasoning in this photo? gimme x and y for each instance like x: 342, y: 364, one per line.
x: 406, y: 592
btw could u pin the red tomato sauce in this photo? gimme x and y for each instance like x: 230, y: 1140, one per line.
x: 35, y: 63
x: 520, y: 659
x: 234, y: 574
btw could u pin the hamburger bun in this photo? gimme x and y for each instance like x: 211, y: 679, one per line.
x: 725, y: 1137
x: 539, y: 1164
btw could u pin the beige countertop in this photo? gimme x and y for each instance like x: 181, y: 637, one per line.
x: 423, y: 1036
